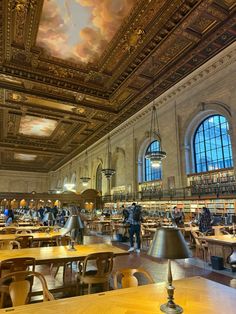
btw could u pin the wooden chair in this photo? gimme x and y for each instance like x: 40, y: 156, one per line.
x: 201, y: 246
x: 62, y: 241
x: 6, y: 245
x: 19, y: 287
x: 8, y: 230
x: 25, y: 241
x: 146, y: 236
x: 100, y: 275
x: 16, y: 264
x: 12, y: 265
x: 23, y: 231
x: 127, y: 279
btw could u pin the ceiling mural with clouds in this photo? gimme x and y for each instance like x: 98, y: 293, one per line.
x: 79, y: 30
x: 35, y: 126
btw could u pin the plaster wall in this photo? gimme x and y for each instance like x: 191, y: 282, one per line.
x: 209, y: 89
x: 24, y: 182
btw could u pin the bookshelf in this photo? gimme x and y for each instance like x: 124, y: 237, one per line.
x: 216, y: 206
x: 150, y: 186
x: 212, y: 182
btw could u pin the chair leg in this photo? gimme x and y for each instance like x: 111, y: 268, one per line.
x: 55, y: 274
x: 106, y: 286
x: 89, y: 288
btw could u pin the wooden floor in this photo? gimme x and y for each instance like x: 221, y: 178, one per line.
x: 156, y: 267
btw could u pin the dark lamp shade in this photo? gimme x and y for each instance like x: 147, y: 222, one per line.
x: 74, y: 222
x: 169, y: 243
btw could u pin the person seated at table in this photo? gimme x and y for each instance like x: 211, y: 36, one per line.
x: 177, y: 217
x: 125, y: 214
x: 9, y: 217
x: 205, y: 220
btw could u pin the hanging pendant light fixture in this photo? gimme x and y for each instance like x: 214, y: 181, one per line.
x: 69, y: 185
x: 108, y: 172
x: 157, y: 155
x: 85, y: 179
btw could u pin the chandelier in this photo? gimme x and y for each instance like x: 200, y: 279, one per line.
x: 85, y: 179
x: 108, y: 172
x: 69, y: 185
x: 155, y: 155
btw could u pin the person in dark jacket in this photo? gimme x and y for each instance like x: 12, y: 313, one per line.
x: 205, y: 220
x: 135, y: 219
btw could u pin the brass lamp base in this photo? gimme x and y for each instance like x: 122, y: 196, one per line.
x: 171, y: 310
x: 71, y: 249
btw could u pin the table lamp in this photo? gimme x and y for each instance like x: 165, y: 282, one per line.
x: 75, y: 226
x: 169, y: 243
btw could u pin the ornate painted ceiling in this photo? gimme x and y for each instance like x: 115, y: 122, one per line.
x: 72, y: 70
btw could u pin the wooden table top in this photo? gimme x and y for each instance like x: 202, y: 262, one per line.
x: 33, y: 228
x: 184, y: 229
x: 226, y: 239
x: 196, y: 295
x: 44, y: 255
x: 35, y: 235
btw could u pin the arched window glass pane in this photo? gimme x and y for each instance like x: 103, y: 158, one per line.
x: 152, y: 173
x: 99, y: 178
x: 212, y: 145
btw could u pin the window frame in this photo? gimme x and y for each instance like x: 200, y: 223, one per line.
x: 147, y: 164
x: 204, y: 143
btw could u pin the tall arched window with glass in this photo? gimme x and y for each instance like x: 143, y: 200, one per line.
x: 212, y: 145
x: 152, y: 173
x: 99, y: 178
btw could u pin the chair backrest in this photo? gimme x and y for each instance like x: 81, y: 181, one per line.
x: 8, y: 230
x: 20, y: 286
x: 103, y: 261
x: 16, y: 264
x: 6, y: 245
x: 23, y: 231
x: 25, y: 241
x: 62, y: 241
x: 127, y: 277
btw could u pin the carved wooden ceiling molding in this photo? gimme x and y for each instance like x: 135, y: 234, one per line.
x: 89, y: 100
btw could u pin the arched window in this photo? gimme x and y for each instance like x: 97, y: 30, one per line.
x: 99, y: 178
x: 151, y: 173
x: 212, y: 144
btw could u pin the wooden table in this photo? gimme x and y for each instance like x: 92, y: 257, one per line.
x: 46, y: 255
x: 221, y: 245
x: 23, y: 224
x: 32, y: 228
x: 35, y: 235
x: 217, y: 229
x: 196, y: 295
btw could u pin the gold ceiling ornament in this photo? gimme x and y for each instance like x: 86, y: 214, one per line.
x: 134, y: 39
x: 22, y: 6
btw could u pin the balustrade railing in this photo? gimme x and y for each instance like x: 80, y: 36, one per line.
x: 216, y: 190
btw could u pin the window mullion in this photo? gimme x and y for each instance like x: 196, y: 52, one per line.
x: 221, y: 139
x: 204, y: 145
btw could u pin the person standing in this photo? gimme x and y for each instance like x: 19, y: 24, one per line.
x: 134, y: 219
x: 205, y: 220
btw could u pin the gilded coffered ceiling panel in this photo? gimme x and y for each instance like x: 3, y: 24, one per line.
x: 79, y: 30
x: 72, y: 70
x: 35, y: 126
x: 24, y: 157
